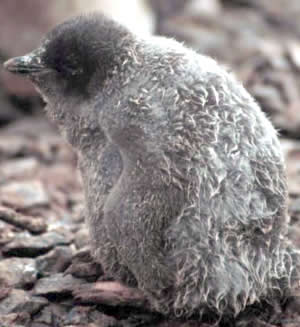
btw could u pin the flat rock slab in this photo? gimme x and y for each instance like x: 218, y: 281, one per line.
x: 110, y: 293
x: 24, y: 195
x: 21, y: 301
x: 57, y: 284
x: 26, y: 245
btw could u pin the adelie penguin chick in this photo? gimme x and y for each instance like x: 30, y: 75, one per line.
x: 184, y: 178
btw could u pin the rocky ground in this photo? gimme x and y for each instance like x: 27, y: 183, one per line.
x: 45, y: 270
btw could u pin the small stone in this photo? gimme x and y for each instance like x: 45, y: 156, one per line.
x: 18, y: 168
x: 12, y: 146
x: 269, y: 98
x: 26, y: 245
x: 57, y: 260
x: 209, y: 8
x: 51, y: 315
x: 82, y: 315
x: 15, y: 319
x: 7, y: 233
x: 293, y: 50
x: 32, y: 224
x: 103, y: 320
x: 21, y: 301
x: 291, y: 151
x: 83, y: 266
x: 4, y: 291
x: 81, y: 238
x: 24, y: 195
x: 78, y: 315
x: 293, y: 235
x: 57, y: 284
x: 294, y: 207
x: 17, y: 272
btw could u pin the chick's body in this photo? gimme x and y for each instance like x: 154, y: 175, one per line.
x: 183, y: 173
x: 200, y: 208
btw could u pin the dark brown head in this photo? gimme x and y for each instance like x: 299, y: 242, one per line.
x: 72, y: 54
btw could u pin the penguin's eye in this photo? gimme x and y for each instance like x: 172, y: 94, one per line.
x: 70, y: 69
x: 68, y: 65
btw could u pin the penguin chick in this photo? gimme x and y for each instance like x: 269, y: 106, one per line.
x: 183, y: 174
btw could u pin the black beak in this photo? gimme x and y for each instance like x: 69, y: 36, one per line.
x: 25, y: 65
